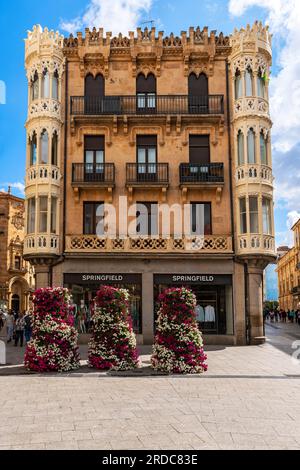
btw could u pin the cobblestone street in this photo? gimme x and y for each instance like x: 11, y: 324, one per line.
x: 249, y: 399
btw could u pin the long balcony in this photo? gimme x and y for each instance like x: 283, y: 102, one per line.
x: 154, y: 105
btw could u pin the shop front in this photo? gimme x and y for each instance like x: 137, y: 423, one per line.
x: 84, y: 287
x: 214, y: 309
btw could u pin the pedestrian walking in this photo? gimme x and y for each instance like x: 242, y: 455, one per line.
x: 28, y: 326
x: 10, y: 320
x: 20, y: 328
x: 283, y: 316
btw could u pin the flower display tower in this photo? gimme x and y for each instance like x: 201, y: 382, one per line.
x: 113, y: 342
x: 178, y: 344
x: 53, y: 347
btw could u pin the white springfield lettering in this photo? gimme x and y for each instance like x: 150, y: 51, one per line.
x: 193, y: 278
x: 102, y: 278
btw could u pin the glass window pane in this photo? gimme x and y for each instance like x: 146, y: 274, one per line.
x: 151, y: 100
x: 243, y: 215
x: 33, y: 150
x: 99, y: 156
x: 35, y: 88
x: 43, y: 203
x: 141, y: 155
x: 152, y: 155
x: 54, y: 149
x: 44, y: 147
x: 251, y: 146
x: 99, y: 218
x: 46, y: 85
x: 253, y: 208
x: 55, y: 86
x: 89, y: 156
x: 241, y: 148
x: 238, y: 87
x: 263, y: 149
x: 141, y: 101
x: 31, y: 216
x: 88, y: 219
x: 53, y: 214
x: 249, y: 82
x: 267, y: 218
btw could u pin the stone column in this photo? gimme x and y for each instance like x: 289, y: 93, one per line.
x: 255, y: 287
x: 148, y: 308
x: 42, y: 276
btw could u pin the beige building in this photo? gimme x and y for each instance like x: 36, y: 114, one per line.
x: 288, y: 270
x: 16, y: 275
x: 159, y: 121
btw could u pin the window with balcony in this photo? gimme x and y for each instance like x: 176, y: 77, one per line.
x: 263, y: 149
x: 146, y: 93
x: 17, y: 263
x: 267, y: 216
x: 46, y: 84
x: 94, y: 158
x: 33, y: 149
x: 31, y: 215
x: 94, y: 92
x: 251, y: 146
x: 249, y: 81
x: 253, y: 212
x: 55, y: 81
x: 147, y: 218
x: 243, y: 215
x: 54, y: 148
x: 240, y: 146
x: 146, y: 157
x: 44, y: 147
x: 35, y: 87
x: 260, y: 84
x: 238, y: 85
x: 53, y: 227
x: 93, y: 218
x: 198, y: 94
x: 200, y: 218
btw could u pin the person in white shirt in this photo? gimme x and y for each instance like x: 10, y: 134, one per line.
x: 210, y: 315
x: 10, y: 320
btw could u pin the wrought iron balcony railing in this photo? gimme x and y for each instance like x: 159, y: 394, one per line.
x: 201, y: 173
x: 145, y: 105
x: 99, y: 173
x: 143, y: 173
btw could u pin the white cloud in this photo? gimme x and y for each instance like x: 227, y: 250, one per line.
x: 113, y: 15
x: 20, y: 187
x: 284, y: 20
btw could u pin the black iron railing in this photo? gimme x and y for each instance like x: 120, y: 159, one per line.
x: 134, y: 105
x: 156, y: 173
x: 201, y: 173
x: 93, y: 173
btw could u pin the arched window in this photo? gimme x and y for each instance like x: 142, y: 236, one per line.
x: 260, y: 84
x: 44, y: 147
x: 198, y: 94
x: 238, y: 88
x: 249, y: 81
x: 251, y: 146
x: 35, y: 87
x: 46, y: 84
x: 263, y: 149
x: 55, y: 79
x: 94, y: 93
x: 240, y: 142
x: 54, y: 146
x: 33, y: 149
x: 146, y: 92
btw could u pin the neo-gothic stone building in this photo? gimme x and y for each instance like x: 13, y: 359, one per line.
x: 160, y: 120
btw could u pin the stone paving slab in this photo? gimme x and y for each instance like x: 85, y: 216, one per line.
x: 248, y: 399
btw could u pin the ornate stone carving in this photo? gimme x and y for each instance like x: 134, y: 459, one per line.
x: 172, y: 41
x: 45, y: 107
x: 18, y: 220
x: 120, y: 41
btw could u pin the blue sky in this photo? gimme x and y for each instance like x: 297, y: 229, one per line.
x: 177, y: 15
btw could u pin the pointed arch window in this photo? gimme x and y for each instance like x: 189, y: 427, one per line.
x: 249, y: 81
x: 251, y: 146
x: 94, y: 92
x: 46, y: 84
x: 260, y: 84
x: 241, y: 152
x: 146, y: 93
x: 55, y: 79
x: 198, y: 94
x: 263, y: 149
x: 54, y: 148
x: 35, y: 87
x: 238, y: 88
x: 44, y: 148
x: 33, y: 149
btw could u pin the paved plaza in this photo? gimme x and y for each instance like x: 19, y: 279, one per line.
x: 248, y: 399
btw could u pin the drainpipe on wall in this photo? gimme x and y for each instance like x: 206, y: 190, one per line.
x: 247, y: 312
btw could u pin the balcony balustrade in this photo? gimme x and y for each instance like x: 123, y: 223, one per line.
x: 89, y: 174
x: 192, y: 173
x: 147, y: 174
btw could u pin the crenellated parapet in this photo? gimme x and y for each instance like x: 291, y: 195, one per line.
x: 250, y: 60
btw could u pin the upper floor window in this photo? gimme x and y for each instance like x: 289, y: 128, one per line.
x: 31, y: 215
x: 55, y: 81
x: 53, y: 215
x: 147, y: 157
x: 43, y: 214
x: 44, y: 147
x: 17, y: 263
x: 267, y: 216
x: 33, y: 149
x: 240, y: 145
x: 263, y: 149
x: 200, y: 218
x: 251, y: 146
x: 260, y: 84
x: 243, y: 215
x: 146, y: 92
x: 94, y: 158
x: 147, y: 218
x: 238, y: 86
x: 198, y: 93
x: 46, y: 84
x: 35, y: 87
x: 93, y: 218
x: 54, y: 149
x: 94, y: 92
x: 249, y: 81
x: 253, y: 210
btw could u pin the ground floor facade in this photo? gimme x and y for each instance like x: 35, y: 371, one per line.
x: 229, y: 298
x: 16, y: 294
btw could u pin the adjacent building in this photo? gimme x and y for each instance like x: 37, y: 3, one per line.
x: 288, y: 270
x: 153, y: 120
x: 16, y: 275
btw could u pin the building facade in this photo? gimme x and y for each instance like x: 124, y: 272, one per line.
x: 288, y: 270
x: 153, y: 121
x: 16, y: 275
